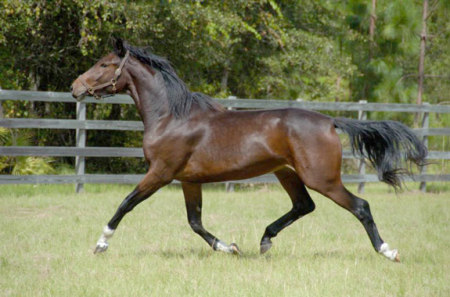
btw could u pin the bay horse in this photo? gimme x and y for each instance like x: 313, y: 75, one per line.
x: 191, y: 138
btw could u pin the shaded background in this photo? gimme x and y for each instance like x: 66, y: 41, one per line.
x: 315, y: 50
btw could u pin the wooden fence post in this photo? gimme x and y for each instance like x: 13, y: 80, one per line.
x: 425, y: 126
x: 362, y: 115
x: 229, y: 187
x: 81, y: 142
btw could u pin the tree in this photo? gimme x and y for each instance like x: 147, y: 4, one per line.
x: 423, y: 39
x: 311, y: 49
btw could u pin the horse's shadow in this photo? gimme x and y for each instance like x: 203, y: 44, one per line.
x: 200, y: 254
x: 203, y: 254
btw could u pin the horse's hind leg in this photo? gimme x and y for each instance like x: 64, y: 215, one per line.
x: 149, y: 185
x: 193, y: 199
x: 319, y: 167
x: 361, y: 210
x: 302, y: 204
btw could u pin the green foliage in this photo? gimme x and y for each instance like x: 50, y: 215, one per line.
x: 21, y: 165
x: 382, y: 64
x: 253, y: 49
x: 314, y: 50
x: 437, y: 62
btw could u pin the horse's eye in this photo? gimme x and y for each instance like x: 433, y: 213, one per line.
x: 104, y: 65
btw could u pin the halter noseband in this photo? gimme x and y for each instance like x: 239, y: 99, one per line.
x: 112, y: 82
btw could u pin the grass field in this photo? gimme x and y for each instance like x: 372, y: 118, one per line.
x: 47, y: 235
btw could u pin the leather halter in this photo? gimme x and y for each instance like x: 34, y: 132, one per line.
x: 112, y: 82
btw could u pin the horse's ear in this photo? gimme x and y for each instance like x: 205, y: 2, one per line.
x: 118, y: 45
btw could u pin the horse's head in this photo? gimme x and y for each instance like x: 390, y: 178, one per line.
x: 105, y: 77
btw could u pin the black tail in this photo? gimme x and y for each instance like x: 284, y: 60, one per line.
x: 388, y: 145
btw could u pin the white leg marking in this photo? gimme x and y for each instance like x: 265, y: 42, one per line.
x: 108, y: 232
x: 221, y: 246
x: 388, y: 253
x: 102, y: 243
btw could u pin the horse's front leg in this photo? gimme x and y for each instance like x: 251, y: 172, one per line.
x: 149, y: 185
x: 193, y: 198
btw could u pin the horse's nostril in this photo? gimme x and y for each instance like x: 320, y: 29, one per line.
x: 71, y: 88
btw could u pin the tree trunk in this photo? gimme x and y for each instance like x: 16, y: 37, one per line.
x: 35, y: 83
x: 338, y: 89
x: 373, y: 17
x: 225, y: 75
x: 423, y: 39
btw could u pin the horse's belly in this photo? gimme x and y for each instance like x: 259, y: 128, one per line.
x: 217, y: 170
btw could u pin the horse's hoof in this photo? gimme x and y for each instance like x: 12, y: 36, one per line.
x: 265, y: 246
x: 397, y: 258
x: 394, y: 256
x: 235, y: 249
x: 388, y: 253
x: 101, y: 247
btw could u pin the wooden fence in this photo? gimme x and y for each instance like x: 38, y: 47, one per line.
x: 81, y: 125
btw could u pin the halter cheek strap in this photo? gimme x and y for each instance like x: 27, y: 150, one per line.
x: 112, y: 82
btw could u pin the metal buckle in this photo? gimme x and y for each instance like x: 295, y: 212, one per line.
x: 113, y: 83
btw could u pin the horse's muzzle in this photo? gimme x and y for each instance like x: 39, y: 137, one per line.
x: 79, y: 91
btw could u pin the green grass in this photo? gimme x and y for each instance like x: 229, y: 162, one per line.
x: 47, y: 235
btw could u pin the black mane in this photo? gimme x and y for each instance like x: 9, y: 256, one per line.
x: 179, y: 96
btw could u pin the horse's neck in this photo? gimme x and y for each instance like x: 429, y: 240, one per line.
x: 150, y: 97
